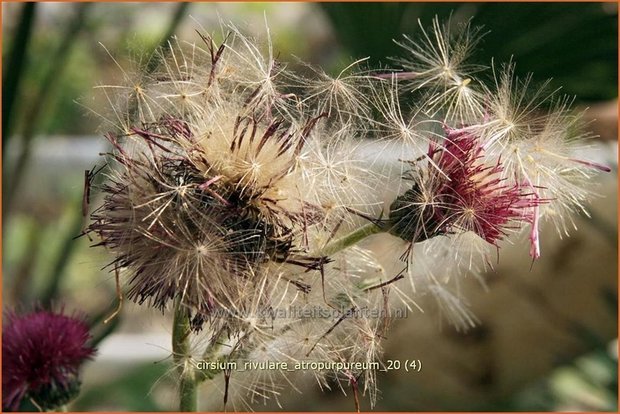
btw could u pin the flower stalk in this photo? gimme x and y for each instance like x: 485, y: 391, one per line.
x: 352, y: 238
x: 188, y: 395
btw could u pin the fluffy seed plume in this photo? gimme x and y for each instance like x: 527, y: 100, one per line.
x: 230, y: 176
x: 437, y: 66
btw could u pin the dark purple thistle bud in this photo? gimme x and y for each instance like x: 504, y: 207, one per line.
x: 42, y: 353
x: 461, y: 193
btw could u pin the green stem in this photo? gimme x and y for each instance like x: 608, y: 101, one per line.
x: 65, y: 254
x: 188, y: 394
x: 210, y: 355
x: 41, y: 104
x: 14, y: 70
x: 351, y: 238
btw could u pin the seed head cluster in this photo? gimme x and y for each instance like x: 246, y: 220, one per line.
x: 234, y: 182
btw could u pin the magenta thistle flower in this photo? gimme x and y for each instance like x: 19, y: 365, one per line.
x: 42, y: 353
x: 483, y: 202
x: 460, y: 193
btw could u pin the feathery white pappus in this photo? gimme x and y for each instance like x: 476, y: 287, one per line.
x: 240, y: 190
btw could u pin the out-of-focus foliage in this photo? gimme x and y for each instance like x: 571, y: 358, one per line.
x: 590, y: 383
x: 577, y: 40
x: 132, y: 391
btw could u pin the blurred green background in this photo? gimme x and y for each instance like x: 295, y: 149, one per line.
x: 52, y: 58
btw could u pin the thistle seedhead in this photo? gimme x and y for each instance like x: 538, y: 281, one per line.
x: 230, y: 174
x: 197, y: 215
x: 533, y: 134
x: 220, y: 197
x: 462, y: 194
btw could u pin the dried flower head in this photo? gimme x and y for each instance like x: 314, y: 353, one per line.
x: 462, y: 194
x: 236, y: 185
x: 197, y: 213
x: 42, y: 353
x: 220, y: 196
